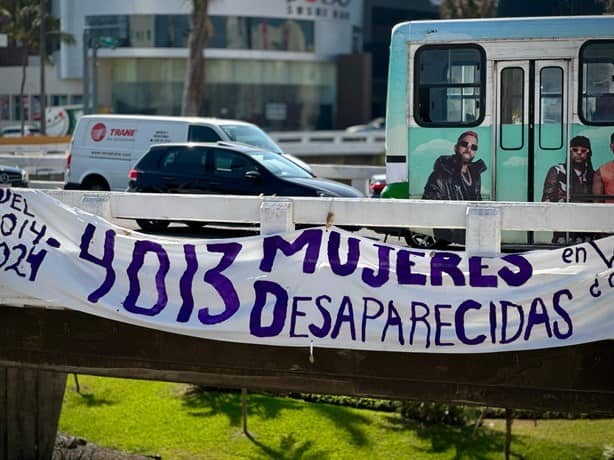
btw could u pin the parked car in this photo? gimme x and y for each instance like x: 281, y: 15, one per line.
x: 15, y: 131
x: 377, y: 124
x: 224, y: 168
x: 377, y: 182
x: 13, y: 176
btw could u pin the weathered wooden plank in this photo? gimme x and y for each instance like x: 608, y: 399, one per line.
x: 29, y: 412
x: 576, y: 379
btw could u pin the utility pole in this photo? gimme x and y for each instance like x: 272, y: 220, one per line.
x: 90, y: 40
x: 86, y: 76
x: 43, y: 58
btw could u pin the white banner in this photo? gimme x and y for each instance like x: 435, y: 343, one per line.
x: 317, y: 287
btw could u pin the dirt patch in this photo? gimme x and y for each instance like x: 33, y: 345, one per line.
x: 71, y: 448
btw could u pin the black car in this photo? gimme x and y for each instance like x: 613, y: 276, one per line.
x: 12, y: 176
x: 225, y: 168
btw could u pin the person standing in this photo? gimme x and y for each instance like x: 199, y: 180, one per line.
x: 603, y: 181
x: 580, y: 183
x: 456, y: 177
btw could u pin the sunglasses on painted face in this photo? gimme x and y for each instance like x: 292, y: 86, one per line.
x: 466, y: 144
x: 581, y: 150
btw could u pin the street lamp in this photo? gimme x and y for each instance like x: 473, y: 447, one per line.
x: 94, y: 42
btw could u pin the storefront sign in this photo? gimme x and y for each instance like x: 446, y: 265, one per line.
x: 321, y: 9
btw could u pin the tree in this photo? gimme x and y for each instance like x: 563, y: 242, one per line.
x: 609, y: 7
x: 194, y: 85
x: 453, y: 9
x: 22, y: 20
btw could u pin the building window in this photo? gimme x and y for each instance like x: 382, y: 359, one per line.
x: 449, y: 85
x: 5, y: 107
x: 551, y: 108
x: 596, y: 82
x: 226, y: 32
x: 59, y: 99
x: 511, y: 128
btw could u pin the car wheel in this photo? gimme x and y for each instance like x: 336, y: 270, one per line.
x: 96, y: 184
x: 422, y: 241
x: 152, y: 225
x: 195, y: 225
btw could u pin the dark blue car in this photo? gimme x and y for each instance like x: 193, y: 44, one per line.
x: 225, y: 168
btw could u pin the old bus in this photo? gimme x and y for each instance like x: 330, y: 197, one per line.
x: 524, y: 87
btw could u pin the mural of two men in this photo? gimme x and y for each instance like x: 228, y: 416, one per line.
x: 458, y: 177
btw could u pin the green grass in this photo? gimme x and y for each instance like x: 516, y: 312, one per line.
x: 164, y: 418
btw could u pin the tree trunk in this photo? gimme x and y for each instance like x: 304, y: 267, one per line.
x: 509, y: 419
x: 193, y: 89
x: 24, y: 65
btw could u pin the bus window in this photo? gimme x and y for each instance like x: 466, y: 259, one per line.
x: 597, y: 82
x: 551, y: 108
x: 511, y: 129
x: 449, y: 85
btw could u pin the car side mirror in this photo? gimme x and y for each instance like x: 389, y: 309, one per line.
x: 252, y: 175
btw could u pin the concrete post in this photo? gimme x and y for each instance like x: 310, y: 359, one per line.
x: 483, y: 235
x: 276, y: 216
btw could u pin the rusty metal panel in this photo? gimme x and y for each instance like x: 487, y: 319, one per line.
x: 576, y: 379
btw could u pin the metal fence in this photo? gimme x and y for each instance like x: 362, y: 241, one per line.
x: 484, y: 221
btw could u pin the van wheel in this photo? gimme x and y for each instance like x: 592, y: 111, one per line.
x: 96, y: 184
x: 422, y: 241
x: 152, y: 225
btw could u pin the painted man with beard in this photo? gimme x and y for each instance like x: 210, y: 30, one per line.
x: 456, y: 177
x: 580, y: 183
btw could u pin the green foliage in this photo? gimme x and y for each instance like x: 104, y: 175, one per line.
x: 455, y: 9
x: 384, y: 405
x: 21, y: 21
x: 433, y: 413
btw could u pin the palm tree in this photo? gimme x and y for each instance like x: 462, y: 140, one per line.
x: 194, y: 86
x: 452, y: 9
x: 22, y: 20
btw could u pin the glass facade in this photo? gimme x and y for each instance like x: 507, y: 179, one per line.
x: 276, y: 95
x: 225, y: 32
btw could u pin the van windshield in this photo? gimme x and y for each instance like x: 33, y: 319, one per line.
x: 252, y: 135
x: 278, y: 165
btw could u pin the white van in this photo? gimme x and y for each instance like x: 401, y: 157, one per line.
x: 104, y: 147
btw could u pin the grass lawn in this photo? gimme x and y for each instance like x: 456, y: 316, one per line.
x: 165, y: 418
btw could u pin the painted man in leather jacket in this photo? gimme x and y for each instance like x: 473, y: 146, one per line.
x: 456, y: 177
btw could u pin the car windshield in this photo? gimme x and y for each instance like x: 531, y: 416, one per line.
x: 252, y: 135
x: 278, y: 165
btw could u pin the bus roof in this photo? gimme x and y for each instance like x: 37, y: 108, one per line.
x: 506, y: 29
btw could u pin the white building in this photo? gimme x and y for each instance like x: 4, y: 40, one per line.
x: 268, y: 61
x: 273, y: 62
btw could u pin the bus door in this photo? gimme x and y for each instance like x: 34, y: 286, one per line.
x: 530, y: 130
